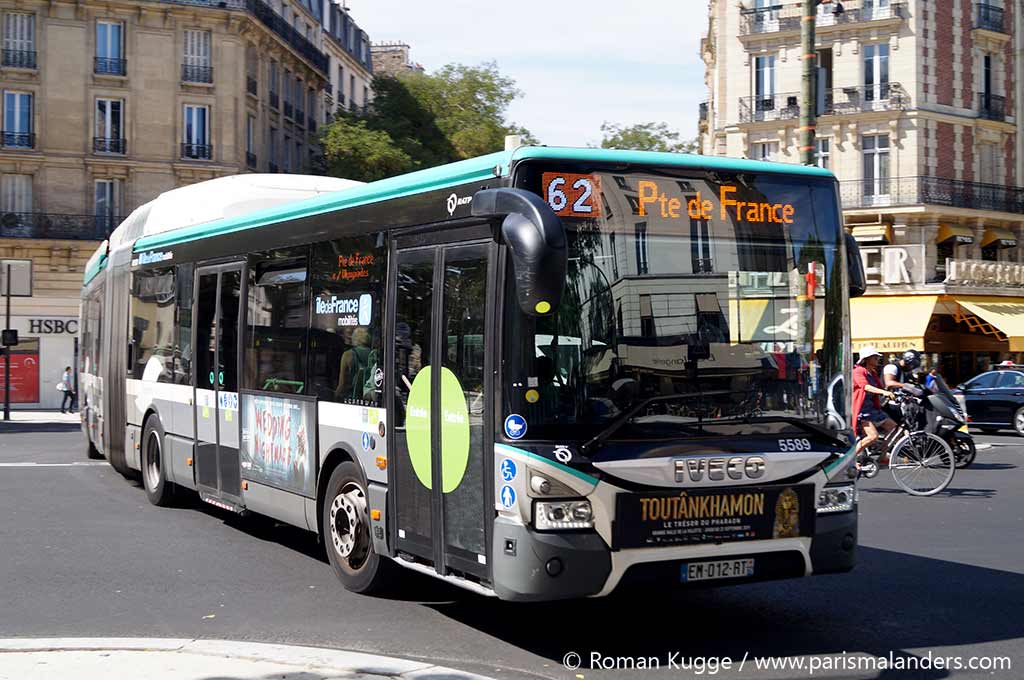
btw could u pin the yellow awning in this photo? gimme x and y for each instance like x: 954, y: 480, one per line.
x: 1006, y: 315
x: 955, y: 233
x: 1000, y: 238
x: 891, y: 324
x: 872, y: 233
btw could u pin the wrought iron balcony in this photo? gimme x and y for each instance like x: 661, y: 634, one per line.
x: 57, y: 226
x: 19, y: 140
x: 989, y: 17
x: 250, y: 159
x: 275, y: 100
x: 786, y: 17
x: 198, y: 152
x: 272, y: 20
x: 251, y: 87
x: 19, y: 58
x: 190, y: 73
x: 106, y: 66
x: 782, y: 106
x: 903, y: 191
x: 108, y: 145
x: 288, y: 112
x: 991, y: 106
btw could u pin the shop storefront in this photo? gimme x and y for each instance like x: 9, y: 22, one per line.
x: 46, y: 345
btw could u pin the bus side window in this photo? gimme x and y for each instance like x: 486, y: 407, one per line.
x: 277, y: 322
x: 346, y: 357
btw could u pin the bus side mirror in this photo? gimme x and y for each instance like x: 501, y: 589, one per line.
x: 536, y: 239
x: 855, y: 266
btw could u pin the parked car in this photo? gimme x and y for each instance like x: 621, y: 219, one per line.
x: 995, y: 400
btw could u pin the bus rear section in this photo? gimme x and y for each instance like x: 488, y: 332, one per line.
x: 670, y: 423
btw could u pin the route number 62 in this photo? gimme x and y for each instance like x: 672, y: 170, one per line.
x: 794, y: 445
x: 571, y: 195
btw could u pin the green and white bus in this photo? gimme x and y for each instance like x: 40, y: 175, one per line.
x: 538, y: 374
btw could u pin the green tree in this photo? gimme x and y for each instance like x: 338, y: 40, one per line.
x: 424, y: 120
x: 645, y: 137
x: 354, y: 151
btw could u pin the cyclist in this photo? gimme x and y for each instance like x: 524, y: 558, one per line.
x: 866, y: 403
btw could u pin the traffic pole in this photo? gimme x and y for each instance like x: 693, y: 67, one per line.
x: 809, y: 89
x: 7, y: 350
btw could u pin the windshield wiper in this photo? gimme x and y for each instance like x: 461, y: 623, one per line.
x: 602, y: 436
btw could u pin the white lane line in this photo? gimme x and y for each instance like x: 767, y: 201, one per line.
x: 81, y: 464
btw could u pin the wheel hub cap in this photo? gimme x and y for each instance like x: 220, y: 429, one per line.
x: 348, y: 519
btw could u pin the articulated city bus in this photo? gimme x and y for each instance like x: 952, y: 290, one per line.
x: 538, y: 374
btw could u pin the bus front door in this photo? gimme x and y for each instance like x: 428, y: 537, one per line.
x: 440, y: 467
x: 216, y: 324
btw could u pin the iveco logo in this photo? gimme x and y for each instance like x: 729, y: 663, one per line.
x: 719, y: 469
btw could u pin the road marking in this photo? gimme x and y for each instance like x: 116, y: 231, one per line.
x: 81, y: 464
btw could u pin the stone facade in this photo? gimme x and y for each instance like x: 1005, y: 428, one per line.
x: 918, y: 113
x: 392, y: 58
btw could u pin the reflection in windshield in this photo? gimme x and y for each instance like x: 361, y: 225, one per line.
x: 730, y: 304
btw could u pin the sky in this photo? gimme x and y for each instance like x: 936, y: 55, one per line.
x: 578, y: 64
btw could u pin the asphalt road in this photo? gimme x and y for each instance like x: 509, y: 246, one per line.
x: 82, y: 553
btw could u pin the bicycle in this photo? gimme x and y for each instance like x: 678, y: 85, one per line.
x: 922, y: 463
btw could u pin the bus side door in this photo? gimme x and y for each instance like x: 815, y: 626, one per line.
x: 442, y: 434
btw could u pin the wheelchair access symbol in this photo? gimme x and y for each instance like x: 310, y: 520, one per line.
x: 508, y: 470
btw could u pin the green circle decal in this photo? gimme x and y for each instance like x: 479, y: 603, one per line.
x: 454, y: 429
x: 417, y: 426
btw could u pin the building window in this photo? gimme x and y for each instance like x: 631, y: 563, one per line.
x: 287, y: 164
x: 106, y: 202
x: 286, y: 84
x: 875, y: 154
x: 641, y: 247
x: 153, y: 304
x: 250, y: 141
x: 19, y: 40
x: 876, y: 71
x: 764, y: 151
x: 298, y: 99
x: 990, y: 254
x: 272, y: 150
x: 196, y: 133
x: 18, y: 120
x: 764, y: 83
x: 109, y: 48
x: 109, y: 126
x: 341, y: 86
x: 198, y: 66
x: 16, y: 194
x: 352, y: 91
x: 274, y: 90
x: 824, y: 157
x: 943, y: 251
x: 366, y: 95
x: 298, y: 156
x: 647, y: 328
x: 700, y: 247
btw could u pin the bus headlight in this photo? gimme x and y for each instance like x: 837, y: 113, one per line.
x: 555, y: 515
x: 840, y: 498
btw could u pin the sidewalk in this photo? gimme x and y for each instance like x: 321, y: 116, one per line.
x: 50, y: 416
x: 160, y: 659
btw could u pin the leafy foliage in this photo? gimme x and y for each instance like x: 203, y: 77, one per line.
x: 420, y: 121
x: 645, y: 137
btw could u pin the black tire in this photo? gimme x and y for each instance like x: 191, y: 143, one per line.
x: 349, y: 549
x: 92, y: 452
x: 965, y: 452
x: 159, y: 491
x: 1018, y: 421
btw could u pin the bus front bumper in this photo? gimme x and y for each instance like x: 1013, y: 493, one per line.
x: 534, y: 566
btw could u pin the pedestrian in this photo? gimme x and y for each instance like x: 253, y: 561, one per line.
x: 67, y: 386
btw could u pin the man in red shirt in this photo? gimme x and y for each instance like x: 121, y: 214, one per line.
x: 867, y: 390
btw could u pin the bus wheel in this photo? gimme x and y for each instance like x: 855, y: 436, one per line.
x: 346, y: 525
x: 154, y: 477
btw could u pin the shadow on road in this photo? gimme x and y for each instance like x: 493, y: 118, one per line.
x: 890, y: 602
x: 950, y: 492
x: 991, y: 466
x: 31, y: 428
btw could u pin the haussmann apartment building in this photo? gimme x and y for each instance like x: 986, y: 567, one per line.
x: 918, y: 107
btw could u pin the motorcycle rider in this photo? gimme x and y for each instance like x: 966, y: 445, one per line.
x: 898, y: 375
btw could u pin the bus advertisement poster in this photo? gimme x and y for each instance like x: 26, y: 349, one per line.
x: 278, y: 437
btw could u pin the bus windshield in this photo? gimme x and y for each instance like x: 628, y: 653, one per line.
x: 715, y: 302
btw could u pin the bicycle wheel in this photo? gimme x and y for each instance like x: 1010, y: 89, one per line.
x: 922, y: 464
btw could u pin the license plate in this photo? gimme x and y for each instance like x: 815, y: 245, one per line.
x: 706, y: 571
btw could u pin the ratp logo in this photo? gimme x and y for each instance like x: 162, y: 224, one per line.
x: 454, y: 202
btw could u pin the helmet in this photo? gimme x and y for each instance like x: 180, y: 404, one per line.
x: 912, y: 359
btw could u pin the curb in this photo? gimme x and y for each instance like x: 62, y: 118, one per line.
x: 339, y: 663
